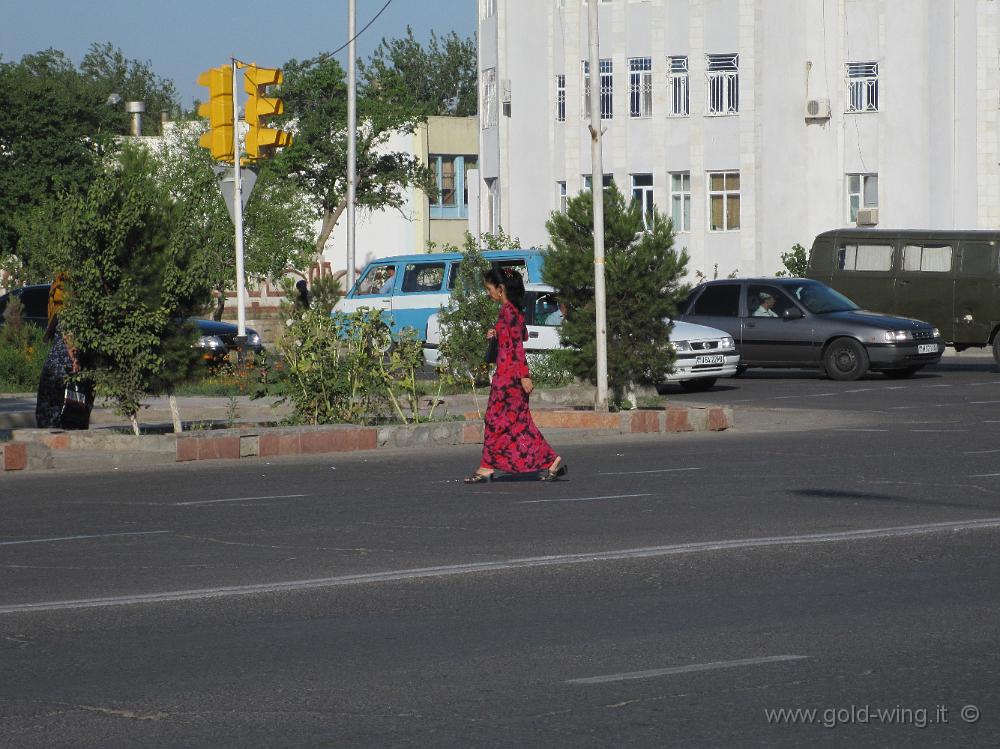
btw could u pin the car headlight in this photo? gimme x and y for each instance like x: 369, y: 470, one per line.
x: 937, y: 333
x: 892, y: 336
x: 211, y: 342
x: 681, y: 346
x: 253, y: 339
x: 727, y: 343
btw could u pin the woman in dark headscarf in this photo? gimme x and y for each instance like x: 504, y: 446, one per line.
x: 52, y: 409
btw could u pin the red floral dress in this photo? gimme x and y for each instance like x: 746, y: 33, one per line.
x: 512, y: 442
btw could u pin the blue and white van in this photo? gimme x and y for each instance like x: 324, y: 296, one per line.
x: 411, y: 288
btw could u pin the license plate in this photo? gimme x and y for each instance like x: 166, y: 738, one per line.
x: 714, y: 359
x: 927, y: 348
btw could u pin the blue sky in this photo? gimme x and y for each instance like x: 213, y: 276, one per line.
x: 183, y: 37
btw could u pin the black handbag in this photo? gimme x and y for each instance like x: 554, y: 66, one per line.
x: 491, y: 350
x: 75, y: 412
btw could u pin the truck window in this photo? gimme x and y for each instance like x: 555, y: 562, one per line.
x: 927, y: 258
x: 865, y: 257
x: 721, y: 300
x: 977, y: 258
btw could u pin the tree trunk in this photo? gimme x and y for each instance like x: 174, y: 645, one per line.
x: 175, y: 414
x: 135, y: 423
x: 220, y: 304
x: 330, y: 219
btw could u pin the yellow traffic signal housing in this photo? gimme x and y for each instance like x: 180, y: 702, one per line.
x: 219, y: 111
x: 262, y: 141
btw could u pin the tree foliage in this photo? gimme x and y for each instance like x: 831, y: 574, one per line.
x: 438, y: 80
x: 643, y: 275
x: 796, y: 262
x: 135, y: 273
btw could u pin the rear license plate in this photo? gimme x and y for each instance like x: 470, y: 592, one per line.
x: 927, y: 348
x: 714, y: 359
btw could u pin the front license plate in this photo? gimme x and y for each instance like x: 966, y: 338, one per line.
x: 715, y: 359
x: 927, y: 348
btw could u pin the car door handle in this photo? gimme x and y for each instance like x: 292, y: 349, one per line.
x: 533, y: 335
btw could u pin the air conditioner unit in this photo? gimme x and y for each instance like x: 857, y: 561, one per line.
x: 867, y: 216
x: 817, y: 109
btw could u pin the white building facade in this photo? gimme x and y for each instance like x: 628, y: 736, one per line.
x: 753, y: 124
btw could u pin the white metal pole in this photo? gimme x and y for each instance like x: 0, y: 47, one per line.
x: 597, y: 190
x: 351, y: 140
x: 241, y: 313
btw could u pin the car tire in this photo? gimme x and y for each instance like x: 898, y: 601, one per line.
x: 845, y: 359
x: 698, y: 386
x: 740, y: 370
x: 901, y: 374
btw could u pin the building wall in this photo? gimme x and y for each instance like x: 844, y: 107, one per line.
x: 933, y: 142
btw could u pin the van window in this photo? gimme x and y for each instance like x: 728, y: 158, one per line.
x: 977, y: 258
x: 517, y: 264
x: 546, y: 310
x: 927, y: 258
x: 870, y: 257
x: 379, y: 280
x: 423, y: 277
x: 721, y: 300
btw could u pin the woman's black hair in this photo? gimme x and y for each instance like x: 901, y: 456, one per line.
x: 511, y: 281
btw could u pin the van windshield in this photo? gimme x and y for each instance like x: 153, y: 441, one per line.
x: 820, y: 299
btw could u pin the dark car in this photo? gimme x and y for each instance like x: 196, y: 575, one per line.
x: 216, y: 339
x: 796, y: 322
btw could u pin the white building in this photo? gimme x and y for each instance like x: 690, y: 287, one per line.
x: 755, y: 124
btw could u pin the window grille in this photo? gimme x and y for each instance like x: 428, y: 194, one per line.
x: 640, y: 86
x: 723, y: 84
x: 606, y: 91
x: 561, y: 98
x: 489, y: 98
x: 677, y: 84
x: 862, y: 86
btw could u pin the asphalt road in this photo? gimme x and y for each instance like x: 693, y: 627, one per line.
x: 675, y: 591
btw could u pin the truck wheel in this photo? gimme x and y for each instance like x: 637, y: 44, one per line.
x: 845, y: 359
x: 698, y: 386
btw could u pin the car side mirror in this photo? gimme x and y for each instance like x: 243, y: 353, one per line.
x: 792, y: 313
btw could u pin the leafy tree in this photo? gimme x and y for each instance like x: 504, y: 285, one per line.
x: 106, y: 69
x: 277, y: 225
x: 315, y: 96
x: 438, y: 80
x: 642, y: 276
x: 796, y: 262
x: 135, y: 273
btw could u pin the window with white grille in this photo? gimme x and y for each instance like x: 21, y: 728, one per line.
x: 640, y: 87
x: 642, y: 192
x: 489, y: 8
x: 563, y: 196
x: 723, y: 74
x: 680, y: 200
x: 724, y: 201
x: 677, y: 87
x: 489, y: 98
x: 862, y: 86
x: 561, y: 98
x: 607, y: 89
x: 862, y: 192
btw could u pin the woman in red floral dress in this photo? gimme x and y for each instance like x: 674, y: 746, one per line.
x: 512, y: 442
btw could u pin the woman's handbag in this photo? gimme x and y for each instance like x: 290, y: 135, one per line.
x: 492, y: 350
x: 75, y: 414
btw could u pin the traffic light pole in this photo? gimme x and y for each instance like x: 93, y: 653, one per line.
x: 241, y: 314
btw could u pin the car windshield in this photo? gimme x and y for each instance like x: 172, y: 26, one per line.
x: 820, y: 299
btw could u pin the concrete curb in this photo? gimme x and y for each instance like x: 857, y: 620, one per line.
x: 40, y: 449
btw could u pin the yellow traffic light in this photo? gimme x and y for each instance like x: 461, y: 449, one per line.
x: 262, y: 141
x: 219, y: 111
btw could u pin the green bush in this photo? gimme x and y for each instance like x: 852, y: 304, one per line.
x: 22, y: 352
x: 552, y: 369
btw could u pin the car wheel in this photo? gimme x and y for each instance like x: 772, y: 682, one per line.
x: 740, y: 370
x: 900, y: 374
x: 698, y: 386
x: 845, y: 359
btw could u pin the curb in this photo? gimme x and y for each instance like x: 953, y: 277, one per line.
x: 40, y: 449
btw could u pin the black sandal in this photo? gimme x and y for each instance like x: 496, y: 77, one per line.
x: 479, y: 478
x: 550, y: 475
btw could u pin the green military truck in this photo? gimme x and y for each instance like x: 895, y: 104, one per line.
x: 950, y: 279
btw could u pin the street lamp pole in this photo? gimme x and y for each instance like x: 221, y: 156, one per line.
x: 597, y: 191
x: 351, y: 141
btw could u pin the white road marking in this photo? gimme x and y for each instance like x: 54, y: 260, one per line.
x: 238, y: 499
x: 582, y: 499
x: 78, y: 538
x: 935, y: 431
x: 980, y: 452
x: 473, y: 568
x: 849, y: 429
x: 686, y: 669
x: 864, y: 390
x: 981, y: 403
x: 983, y: 475
x: 659, y: 470
x: 937, y: 386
